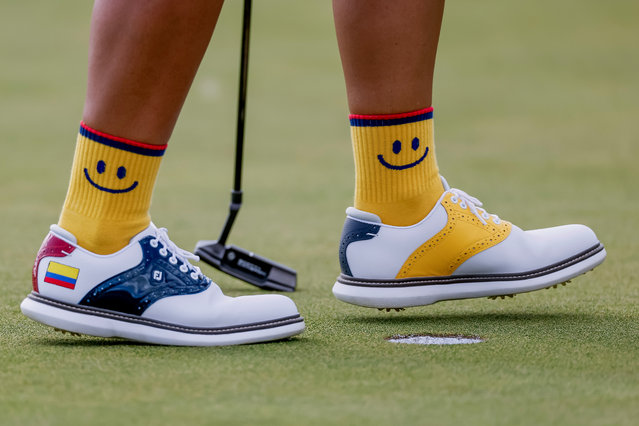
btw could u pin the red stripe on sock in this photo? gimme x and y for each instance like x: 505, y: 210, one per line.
x: 124, y: 140
x: 390, y: 116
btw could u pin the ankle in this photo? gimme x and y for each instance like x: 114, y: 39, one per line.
x: 406, y: 211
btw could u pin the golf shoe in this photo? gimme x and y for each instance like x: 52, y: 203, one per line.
x: 457, y: 251
x: 148, y: 292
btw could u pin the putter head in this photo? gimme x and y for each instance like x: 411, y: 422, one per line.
x: 247, y: 266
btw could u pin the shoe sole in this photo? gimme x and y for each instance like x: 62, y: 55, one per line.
x: 106, y: 323
x: 404, y: 293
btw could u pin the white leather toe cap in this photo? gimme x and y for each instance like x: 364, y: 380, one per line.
x: 212, y: 309
x: 525, y: 251
x: 258, y: 308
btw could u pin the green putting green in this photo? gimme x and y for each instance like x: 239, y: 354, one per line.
x: 536, y: 115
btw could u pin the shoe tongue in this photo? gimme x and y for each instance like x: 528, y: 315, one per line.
x: 151, y: 230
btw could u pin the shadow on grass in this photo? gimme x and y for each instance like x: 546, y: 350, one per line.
x: 553, y: 325
x: 556, y: 323
x: 90, y: 341
x: 86, y: 341
x: 504, y: 319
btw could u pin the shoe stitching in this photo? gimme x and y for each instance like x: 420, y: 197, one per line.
x: 159, y: 324
x: 466, y: 279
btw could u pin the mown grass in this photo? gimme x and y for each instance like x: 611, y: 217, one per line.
x: 536, y: 115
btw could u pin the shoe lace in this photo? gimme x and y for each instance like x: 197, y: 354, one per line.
x: 474, y: 205
x: 177, y: 254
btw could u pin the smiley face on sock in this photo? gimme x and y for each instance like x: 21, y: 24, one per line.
x: 412, y: 150
x: 104, y: 172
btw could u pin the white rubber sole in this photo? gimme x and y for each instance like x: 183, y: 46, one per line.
x: 419, y: 292
x: 103, y: 323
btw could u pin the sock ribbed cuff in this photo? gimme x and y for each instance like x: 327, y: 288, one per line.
x: 380, y: 120
x: 123, y: 144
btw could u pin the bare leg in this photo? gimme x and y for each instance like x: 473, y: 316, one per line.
x: 388, y: 52
x: 143, y: 57
x: 388, y: 55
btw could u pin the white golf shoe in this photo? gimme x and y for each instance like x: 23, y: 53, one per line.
x: 457, y: 251
x: 147, y: 292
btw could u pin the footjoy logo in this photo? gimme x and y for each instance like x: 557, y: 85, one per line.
x: 251, y: 267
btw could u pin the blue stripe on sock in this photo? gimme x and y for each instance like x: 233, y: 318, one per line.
x: 120, y: 145
x: 369, y: 122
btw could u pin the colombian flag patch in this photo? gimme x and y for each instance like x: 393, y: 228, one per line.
x: 62, y: 275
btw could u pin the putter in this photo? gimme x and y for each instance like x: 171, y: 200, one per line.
x: 233, y: 260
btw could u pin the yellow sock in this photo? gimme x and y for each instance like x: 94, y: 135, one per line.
x: 110, y: 190
x: 396, y: 174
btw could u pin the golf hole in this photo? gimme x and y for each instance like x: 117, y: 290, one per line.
x: 434, y: 339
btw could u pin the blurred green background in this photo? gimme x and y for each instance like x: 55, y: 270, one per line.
x: 536, y: 112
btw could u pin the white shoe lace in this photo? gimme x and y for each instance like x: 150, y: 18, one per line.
x: 177, y: 254
x: 473, y: 204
